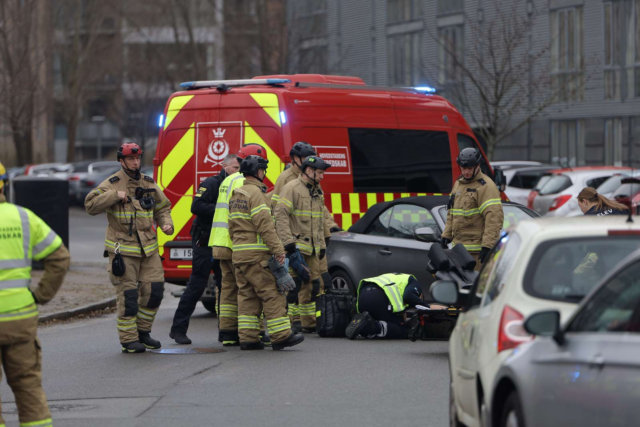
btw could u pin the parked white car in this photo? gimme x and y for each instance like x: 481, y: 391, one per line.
x: 521, y: 181
x: 549, y: 263
x: 557, y: 196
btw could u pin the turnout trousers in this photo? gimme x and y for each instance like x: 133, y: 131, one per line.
x: 228, y: 304
x: 138, y: 294
x: 373, y: 300
x: 306, y: 304
x: 202, y: 265
x: 258, y: 293
x: 21, y: 361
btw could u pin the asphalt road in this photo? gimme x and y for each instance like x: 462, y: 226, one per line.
x: 323, y: 381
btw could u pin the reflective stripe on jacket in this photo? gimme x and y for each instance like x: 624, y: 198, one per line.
x: 23, y: 238
x: 393, y: 286
x: 285, y: 177
x: 300, y: 217
x: 476, y: 217
x: 129, y: 224
x: 220, y: 226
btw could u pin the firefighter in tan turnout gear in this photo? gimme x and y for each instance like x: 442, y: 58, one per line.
x: 133, y: 202
x: 25, y: 237
x: 475, y: 216
x: 255, y: 243
x: 302, y: 227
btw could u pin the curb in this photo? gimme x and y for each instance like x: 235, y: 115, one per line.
x: 66, y: 314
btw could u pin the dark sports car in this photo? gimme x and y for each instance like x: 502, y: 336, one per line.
x: 384, y: 240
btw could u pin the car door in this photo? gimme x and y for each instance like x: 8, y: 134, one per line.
x: 400, y: 251
x: 592, y: 379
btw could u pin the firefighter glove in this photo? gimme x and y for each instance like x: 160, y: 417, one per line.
x: 290, y: 248
x: 315, y: 289
x: 483, y: 254
x: 284, y: 281
x: 335, y: 229
x: 327, y: 240
x: 297, y: 263
x: 323, y: 252
x: 445, y: 243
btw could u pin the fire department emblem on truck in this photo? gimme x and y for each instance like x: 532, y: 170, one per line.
x: 218, y: 148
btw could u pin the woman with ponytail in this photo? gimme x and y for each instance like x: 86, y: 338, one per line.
x: 592, y: 203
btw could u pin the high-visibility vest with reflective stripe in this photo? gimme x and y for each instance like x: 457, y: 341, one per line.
x: 393, y: 286
x: 23, y: 237
x: 220, y: 225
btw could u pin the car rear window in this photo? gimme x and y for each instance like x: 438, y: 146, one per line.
x: 400, y: 161
x: 626, y: 190
x: 567, y: 269
x: 611, y: 184
x: 525, y: 180
x: 555, y: 184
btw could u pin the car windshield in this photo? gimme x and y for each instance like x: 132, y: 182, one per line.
x: 611, y: 184
x: 567, y: 269
x: 512, y: 215
x: 554, y: 185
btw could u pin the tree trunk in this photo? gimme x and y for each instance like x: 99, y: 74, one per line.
x: 72, y: 129
x: 22, y: 142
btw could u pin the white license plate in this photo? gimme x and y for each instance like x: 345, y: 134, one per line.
x: 177, y: 253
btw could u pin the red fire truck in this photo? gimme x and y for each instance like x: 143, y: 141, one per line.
x: 383, y: 143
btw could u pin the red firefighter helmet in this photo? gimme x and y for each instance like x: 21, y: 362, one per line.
x: 252, y: 150
x: 129, y: 149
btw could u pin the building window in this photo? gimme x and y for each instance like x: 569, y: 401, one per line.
x: 446, y: 7
x: 450, y: 57
x: 403, y: 10
x: 566, y: 54
x: 312, y: 18
x: 567, y: 143
x: 405, y: 66
x: 621, y: 63
x: 613, y: 142
x: 314, y: 60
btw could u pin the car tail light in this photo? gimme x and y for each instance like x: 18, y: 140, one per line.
x: 74, y: 178
x: 511, y: 333
x: 559, y: 201
x: 91, y: 183
x: 530, y: 199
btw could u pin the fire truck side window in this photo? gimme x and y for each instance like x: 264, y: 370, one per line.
x: 400, y: 161
x: 465, y: 141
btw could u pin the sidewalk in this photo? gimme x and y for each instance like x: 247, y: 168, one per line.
x: 84, y: 284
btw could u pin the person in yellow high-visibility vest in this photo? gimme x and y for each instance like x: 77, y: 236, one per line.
x: 25, y: 237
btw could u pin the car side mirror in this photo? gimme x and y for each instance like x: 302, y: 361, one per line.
x: 500, y: 179
x: 445, y: 292
x: 426, y: 234
x: 545, y: 324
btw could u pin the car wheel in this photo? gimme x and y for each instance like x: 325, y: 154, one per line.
x: 453, y: 414
x: 340, y: 280
x: 210, y: 305
x: 512, y: 412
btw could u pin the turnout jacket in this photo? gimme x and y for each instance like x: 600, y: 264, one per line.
x: 285, y: 177
x: 251, y: 225
x: 475, y: 216
x: 300, y: 217
x: 128, y: 223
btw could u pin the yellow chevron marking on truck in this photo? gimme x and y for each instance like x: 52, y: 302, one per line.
x: 175, y: 106
x: 275, y: 163
x: 178, y: 157
x: 269, y: 102
x: 181, y: 214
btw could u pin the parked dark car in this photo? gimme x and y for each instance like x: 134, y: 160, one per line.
x: 92, y: 180
x: 385, y: 240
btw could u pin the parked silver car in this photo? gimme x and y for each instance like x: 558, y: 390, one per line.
x: 385, y: 240
x: 585, y: 373
x: 83, y: 169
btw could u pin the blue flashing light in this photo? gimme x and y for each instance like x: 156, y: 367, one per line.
x: 161, y: 120
x: 283, y: 117
x: 278, y: 81
x: 427, y: 89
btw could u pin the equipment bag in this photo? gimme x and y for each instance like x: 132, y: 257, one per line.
x: 334, y: 311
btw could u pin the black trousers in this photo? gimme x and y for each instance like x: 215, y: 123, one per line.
x: 373, y: 300
x: 202, y: 265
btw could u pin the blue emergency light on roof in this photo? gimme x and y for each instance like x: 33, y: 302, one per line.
x: 283, y: 117
x: 427, y: 89
x: 160, y: 120
x: 231, y: 83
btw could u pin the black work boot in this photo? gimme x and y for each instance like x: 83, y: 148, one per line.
x: 147, y: 341
x: 360, y: 325
x: 252, y: 346
x: 311, y: 330
x: 294, y: 339
x: 265, y: 339
x: 296, y: 327
x: 180, y: 337
x: 132, y: 347
x: 229, y: 338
